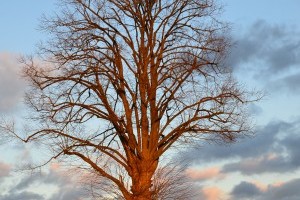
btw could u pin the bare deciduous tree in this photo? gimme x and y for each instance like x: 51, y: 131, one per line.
x: 123, y: 81
x: 169, y: 181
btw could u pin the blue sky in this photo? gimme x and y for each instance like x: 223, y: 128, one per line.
x: 19, y: 24
x: 266, y: 56
x: 279, y: 11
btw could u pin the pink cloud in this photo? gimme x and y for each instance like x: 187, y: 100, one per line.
x: 55, y: 166
x: 261, y: 186
x: 4, y: 169
x: 278, y: 184
x: 203, y: 174
x: 212, y: 193
x: 265, y: 187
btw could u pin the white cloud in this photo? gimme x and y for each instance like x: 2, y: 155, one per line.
x: 11, y: 83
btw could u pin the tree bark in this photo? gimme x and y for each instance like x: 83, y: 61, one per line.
x: 142, y: 180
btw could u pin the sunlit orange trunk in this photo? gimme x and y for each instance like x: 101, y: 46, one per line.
x: 142, y: 181
x: 141, y: 188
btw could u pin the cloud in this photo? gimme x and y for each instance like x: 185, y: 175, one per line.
x: 68, y: 186
x: 204, y: 174
x: 283, y: 191
x: 69, y: 193
x: 266, y: 48
x: 11, y: 84
x: 255, y: 109
x: 287, y: 191
x: 245, y: 190
x: 288, y: 83
x: 269, y: 56
x: 23, y: 195
x: 4, y: 170
x: 264, y: 188
x: 248, y: 147
x: 67, y: 182
x: 26, y: 182
x: 283, y: 154
x: 212, y: 193
x: 263, y: 164
x: 275, y: 148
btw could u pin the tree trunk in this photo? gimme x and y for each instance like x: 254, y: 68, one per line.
x: 142, y: 181
x: 141, y: 185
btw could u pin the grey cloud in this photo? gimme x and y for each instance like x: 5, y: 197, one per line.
x: 248, y: 147
x: 255, y: 109
x: 284, y: 56
x: 291, y: 143
x: 266, y: 49
x: 287, y: 191
x: 282, y: 156
x: 70, y: 193
x: 26, y: 182
x: 261, y: 165
x: 68, y: 189
x: 57, y: 177
x: 51, y: 177
x: 275, y: 148
x: 245, y: 190
x: 23, y: 195
x: 288, y: 83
